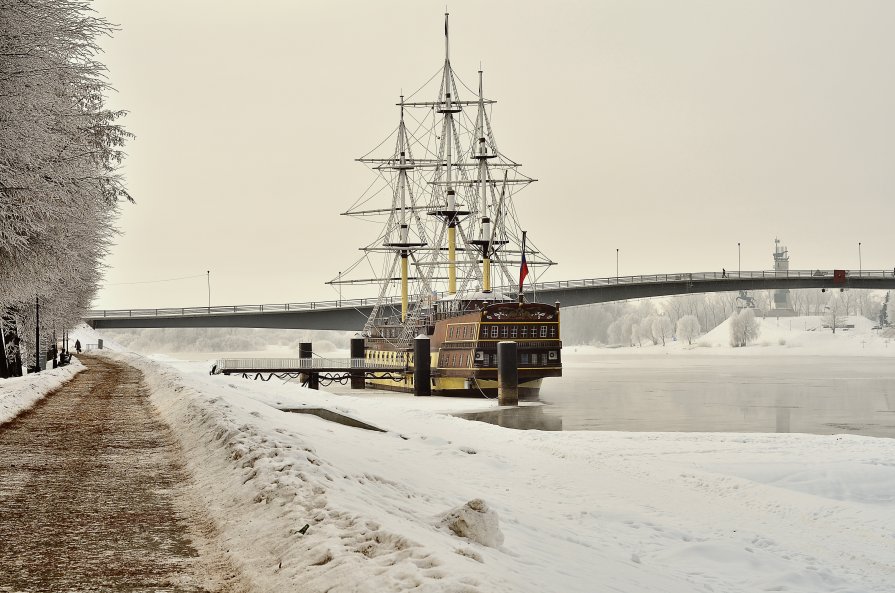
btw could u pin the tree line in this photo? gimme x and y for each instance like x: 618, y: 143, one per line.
x: 685, y: 317
x: 60, y: 150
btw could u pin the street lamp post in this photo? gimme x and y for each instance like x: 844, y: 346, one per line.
x: 208, y: 277
x: 616, y: 265
x: 739, y: 260
x: 860, y: 262
x: 340, y: 289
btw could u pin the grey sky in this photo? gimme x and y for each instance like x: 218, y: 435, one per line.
x: 668, y: 130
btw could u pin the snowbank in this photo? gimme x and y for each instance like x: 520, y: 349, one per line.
x: 578, y: 511
x: 19, y: 394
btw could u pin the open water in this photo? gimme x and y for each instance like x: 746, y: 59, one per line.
x: 712, y: 393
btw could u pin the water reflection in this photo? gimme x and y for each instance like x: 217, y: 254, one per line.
x: 521, y: 418
x: 693, y: 393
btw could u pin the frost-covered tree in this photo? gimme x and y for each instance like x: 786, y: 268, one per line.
x: 688, y: 328
x: 744, y: 328
x: 835, y: 313
x: 662, y: 328
x: 59, y: 152
x: 884, y: 312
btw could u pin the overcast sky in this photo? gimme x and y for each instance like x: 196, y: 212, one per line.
x: 667, y: 130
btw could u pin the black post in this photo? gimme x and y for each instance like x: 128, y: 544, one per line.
x: 358, y: 381
x: 313, y: 381
x: 507, y: 374
x: 4, y: 362
x: 305, y: 351
x: 422, y: 366
x: 36, y: 334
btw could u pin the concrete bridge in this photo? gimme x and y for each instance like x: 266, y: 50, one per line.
x: 350, y: 314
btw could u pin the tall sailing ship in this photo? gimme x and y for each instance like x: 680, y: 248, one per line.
x: 451, y: 258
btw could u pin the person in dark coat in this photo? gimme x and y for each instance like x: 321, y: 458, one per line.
x: 78, y: 346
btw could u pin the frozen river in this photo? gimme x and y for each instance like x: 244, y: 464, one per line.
x: 704, y: 393
x: 811, y: 394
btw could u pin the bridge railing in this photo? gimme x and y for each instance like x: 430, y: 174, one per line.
x: 532, y: 288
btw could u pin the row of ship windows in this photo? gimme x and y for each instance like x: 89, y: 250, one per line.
x: 396, y: 357
x: 464, y: 332
x: 486, y: 359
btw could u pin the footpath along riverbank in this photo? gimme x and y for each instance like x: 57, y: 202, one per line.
x: 94, y: 494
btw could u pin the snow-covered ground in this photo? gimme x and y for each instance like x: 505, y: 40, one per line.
x: 21, y: 393
x: 578, y: 511
x: 777, y: 336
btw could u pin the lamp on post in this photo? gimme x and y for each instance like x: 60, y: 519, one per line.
x: 739, y: 260
x: 208, y: 277
x: 616, y: 265
x: 340, y: 289
x: 860, y: 262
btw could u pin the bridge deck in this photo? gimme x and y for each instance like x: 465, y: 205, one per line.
x: 350, y: 314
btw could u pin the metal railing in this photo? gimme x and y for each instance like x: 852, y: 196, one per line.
x: 531, y: 288
x: 302, y: 364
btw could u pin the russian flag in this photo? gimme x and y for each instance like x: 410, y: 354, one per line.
x: 523, y: 267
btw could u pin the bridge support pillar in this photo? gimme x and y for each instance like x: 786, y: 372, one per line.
x: 358, y: 381
x: 507, y: 374
x: 422, y: 366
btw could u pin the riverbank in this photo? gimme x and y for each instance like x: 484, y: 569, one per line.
x: 578, y: 511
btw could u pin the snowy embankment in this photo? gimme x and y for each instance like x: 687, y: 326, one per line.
x: 22, y: 393
x: 801, y: 336
x: 576, y: 511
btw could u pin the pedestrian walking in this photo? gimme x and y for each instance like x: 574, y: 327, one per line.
x: 78, y: 346
x: 723, y: 273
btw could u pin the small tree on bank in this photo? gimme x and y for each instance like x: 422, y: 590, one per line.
x: 884, y: 312
x: 662, y: 329
x: 688, y: 328
x: 744, y: 328
x: 835, y: 313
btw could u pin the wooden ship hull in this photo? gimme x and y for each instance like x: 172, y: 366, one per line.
x: 464, y: 351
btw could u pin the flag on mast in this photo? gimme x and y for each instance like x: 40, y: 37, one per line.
x: 523, y: 267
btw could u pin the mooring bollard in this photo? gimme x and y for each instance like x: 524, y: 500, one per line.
x: 358, y: 379
x: 422, y: 366
x: 305, y: 351
x: 507, y: 374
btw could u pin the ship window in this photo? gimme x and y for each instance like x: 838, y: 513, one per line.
x: 503, y: 331
x: 553, y: 355
x: 465, y: 331
x: 493, y: 331
x: 525, y: 358
x: 534, y: 358
x: 514, y: 331
x: 552, y: 331
x: 543, y: 331
x: 484, y: 331
x: 451, y: 332
x: 524, y: 332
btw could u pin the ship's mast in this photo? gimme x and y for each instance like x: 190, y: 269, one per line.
x: 447, y: 108
x: 482, y: 155
x: 402, y: 246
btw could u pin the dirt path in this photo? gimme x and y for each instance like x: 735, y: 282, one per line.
x: 94, y: 495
